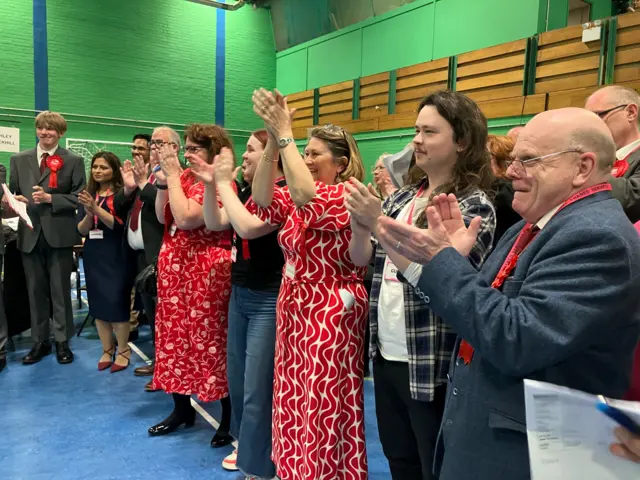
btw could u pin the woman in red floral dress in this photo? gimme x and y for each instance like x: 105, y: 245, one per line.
x: 318, y: 411
x: 194, y: 286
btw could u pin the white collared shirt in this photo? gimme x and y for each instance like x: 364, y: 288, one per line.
x: 625, y: 151
x: 136, y: 242
x: 40, y: 151
x: 414, y: 271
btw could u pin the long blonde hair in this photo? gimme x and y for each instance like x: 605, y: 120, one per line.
x: 341, y: 144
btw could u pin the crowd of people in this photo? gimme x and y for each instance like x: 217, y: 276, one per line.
x: 500, y: 258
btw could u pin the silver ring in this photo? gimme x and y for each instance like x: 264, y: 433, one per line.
x: 398, y: 245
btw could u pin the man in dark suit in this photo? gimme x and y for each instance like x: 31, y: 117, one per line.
x: 48, y: 178
x: 618, y: 106
x: 557, y: 300
x: 4, y: 330
x: 144, y: 232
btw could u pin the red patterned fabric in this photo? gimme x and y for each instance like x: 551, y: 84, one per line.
x: 318, y: 404
x: 194, y: 286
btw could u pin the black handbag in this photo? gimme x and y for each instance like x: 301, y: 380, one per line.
x: 146, y: 281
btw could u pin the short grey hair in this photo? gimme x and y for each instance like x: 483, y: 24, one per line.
x: 624, y: 95
x: 173, y: 135
x: 596, y: 141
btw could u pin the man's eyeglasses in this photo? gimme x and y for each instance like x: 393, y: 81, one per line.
x: 604, y: 113
x: 520, y: 166
x: 159, y: 143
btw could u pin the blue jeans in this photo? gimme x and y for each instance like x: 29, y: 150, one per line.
x: 250, y: 352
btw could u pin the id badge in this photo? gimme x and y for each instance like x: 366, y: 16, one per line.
x: 290, y: 270
x: 96, y: 234
x: 234, y: 254
x: 390, y: 271
x: 173, y: 229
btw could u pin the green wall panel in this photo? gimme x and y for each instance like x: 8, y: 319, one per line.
x: 291, y: 74
x: 336, y: 60
x: 600, y: 8
x: 399, y: 41
x: 467, y: 25
x: 558, y: 14
x: 250, y: 63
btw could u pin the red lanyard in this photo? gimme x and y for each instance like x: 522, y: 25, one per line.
x: 108, y: 198
x: 529, y: 230
x: 245, y: 243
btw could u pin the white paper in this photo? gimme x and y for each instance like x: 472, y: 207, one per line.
x: 398, y: 165
x: 18, y: 207
x: 569, y: 437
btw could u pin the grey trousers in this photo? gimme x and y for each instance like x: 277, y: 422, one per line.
x: 48, y: 272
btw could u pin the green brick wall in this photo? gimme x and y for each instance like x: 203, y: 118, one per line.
x: 147, y: 62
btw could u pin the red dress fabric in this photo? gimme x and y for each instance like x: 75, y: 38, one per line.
x: 318, y: 403
x: 194, y: 287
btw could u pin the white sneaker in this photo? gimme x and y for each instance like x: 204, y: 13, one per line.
x: 229, y: 462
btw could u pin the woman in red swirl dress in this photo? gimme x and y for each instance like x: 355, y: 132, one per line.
x: 194, y: 286
x: 318, y: 411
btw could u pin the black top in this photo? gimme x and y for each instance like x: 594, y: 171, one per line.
x: 263, y: 269
x: 505, y: 216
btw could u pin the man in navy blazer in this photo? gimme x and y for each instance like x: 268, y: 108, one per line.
x: 567, y: 312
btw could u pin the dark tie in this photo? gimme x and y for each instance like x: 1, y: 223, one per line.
x: 137, y: 207
x: 43, y: 162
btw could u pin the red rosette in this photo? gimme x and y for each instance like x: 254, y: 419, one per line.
x: 619, y: 168
x: 54, y: 163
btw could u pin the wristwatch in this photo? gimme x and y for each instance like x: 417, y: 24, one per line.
x: 283, y: 142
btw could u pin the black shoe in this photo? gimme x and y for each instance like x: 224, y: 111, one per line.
x: 37, y: 353
x: 172, y: 422
x: 64, y: 353
x: 133, y: 335
x: 3, y: 361
x: 221, y: 440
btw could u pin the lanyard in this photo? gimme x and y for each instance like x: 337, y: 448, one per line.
x: 466, y: 350
x: 108, y: 199
x: 245, y: 243
x: 413, y: 205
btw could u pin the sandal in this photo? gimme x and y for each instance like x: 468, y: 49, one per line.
x: 108, y: 363
x: 118, y: 368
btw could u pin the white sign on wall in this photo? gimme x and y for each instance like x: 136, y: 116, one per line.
x: 9, y: 139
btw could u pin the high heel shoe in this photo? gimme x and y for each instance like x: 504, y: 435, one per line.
x: 221, y: 440
x: 118, y: 368
x: 104, y: 365
x: 172, y: 422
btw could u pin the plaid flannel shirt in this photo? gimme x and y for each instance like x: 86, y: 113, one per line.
x: 430, y: 343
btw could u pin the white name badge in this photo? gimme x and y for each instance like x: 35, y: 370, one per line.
x: 173, y: 229
x: 96, y: 234
x: 234, y: 254
x: 390, y: 271
x: 290, y: 270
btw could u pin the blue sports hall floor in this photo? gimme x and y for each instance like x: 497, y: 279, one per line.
x: 67, y: 422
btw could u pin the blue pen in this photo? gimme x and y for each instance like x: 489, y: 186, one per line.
x: 156, y: 168
x: 618, y: 416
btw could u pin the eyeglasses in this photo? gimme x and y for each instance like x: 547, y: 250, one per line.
x: 159, y: 143
x: 192, y: 148
x: 604, y: 113
x: 520, y: 166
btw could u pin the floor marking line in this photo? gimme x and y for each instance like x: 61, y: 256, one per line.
x: 203, y: 413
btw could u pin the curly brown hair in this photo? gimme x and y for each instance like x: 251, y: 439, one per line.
x: 500, y: 148
x: 472, y: 169
x: 212, y: 137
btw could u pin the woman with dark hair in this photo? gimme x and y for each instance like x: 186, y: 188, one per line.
x: 256, y: 274
x: 194, y: 285
x: 107, y: 265
x: 500, y: 147
x: 411, y: 346
x: 318, y: 411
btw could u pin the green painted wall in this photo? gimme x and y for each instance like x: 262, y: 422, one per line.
x: 148, y: 62
x: 600, y: 8
x: 417, y: 32
x: 558, y: 14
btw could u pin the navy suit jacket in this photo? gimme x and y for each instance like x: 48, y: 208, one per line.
x: 568, y: 315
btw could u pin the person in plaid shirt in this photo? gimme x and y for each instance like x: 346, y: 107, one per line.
x: 410, y: 345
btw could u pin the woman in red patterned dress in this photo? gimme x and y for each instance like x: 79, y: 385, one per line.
x: 194, y: 285
x: 318, y: 411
